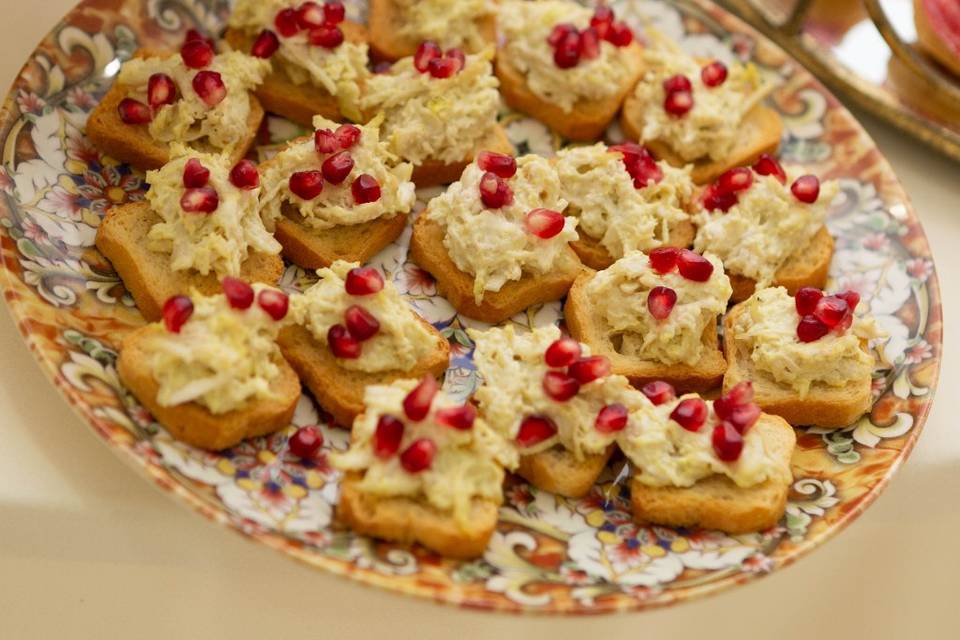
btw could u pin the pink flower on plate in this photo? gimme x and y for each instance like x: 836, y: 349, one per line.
x: 574, y: 576
x: 757, y: 563
x: 876, y: 241
x: 918, y: 352
x: 110, y: 187
x: 6, y: 182
x: 416, y: 281
x: 60, y: 201
x: 519, y: 495
x: 81, y: 149
x: 33, y: 231
x: 81, y: 99
x: 920, y: 268
x: 30, y: 102
x: 457, y: 349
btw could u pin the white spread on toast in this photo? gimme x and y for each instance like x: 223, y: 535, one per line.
x: 493, y: 245
x: 441, y: 119
x: 526, y: 27
x: 764, y: 229
x: 766, y: 330
x: 611, y: 209
x: 618, y: 301
x: 468, y: 463
x: 449, y: 23
x: 217, y: 242
x: 189, y: 119
x: 402, y: 341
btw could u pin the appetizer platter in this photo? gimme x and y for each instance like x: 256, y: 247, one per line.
x: 535, y: 306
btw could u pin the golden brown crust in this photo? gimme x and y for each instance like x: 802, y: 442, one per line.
x: 808, y: 267
x: 427, y: 250
x: 193, y: 423
x: 595, y: 255
x: 146, y: 274
x: 558, y: 471
x: 431, y: 173
x: 405, y: 520
x: 385, y: 44
x: 931, y: 42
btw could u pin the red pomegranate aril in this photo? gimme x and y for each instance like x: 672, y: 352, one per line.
x: 741, y: 393
x: 134, y: 112
x: 325, y: 141
x: 544, y: 223
x: 619, y: 34
x: 690, y: 413
x: 735, y: 180
x: 664, y: 259
x: 494, y: 191
x: 328, y: 36
x: 714, y: 74
x: 365, y: 189
x: 586, y: 370
x: 534, y: 430
x: 416, y: 405
x: 334, y: 12
x: 852, y: 298
x: 286, y: 22
x: 612, y: 418
x: 419, y: 455
x: 677, y: 83
x: 202, y: 200
x: 560, y: 33
x: 275, y: 303
x: 161, y: 90
x: 559, y: 386
x: 810, y: 329
x: 363, y: 281
x: 427, y: 51
x: 342, y: 344
x: 360, y: 323
x: 715, y: 199
x: 457, y: 56
x: 265, y: 45
x: 806, y: 299
x: 806, y: 188
x: 442, y: 67
x: 694, y: 266
x: 337, y: 167
x: 197, y: 54
x: 310, y: 15
x: 209, y: 86
x: 644, y: 172
x: 501, y: 164
x: 244, y: 175
x: 727, y: 442
x: 830, y: 310
x: 562, y: 352
x: 195, y: 175
x: 460, y: 418
x: 590, y: 43
x: 239, y: 294
x: 387, y: 437
x: 678, y: 103
x: 306, y: 442
x: 659, y: 392
x: 567, y: 53
x: 194, y: 34
x: 602, y: 19
x: 660, y: 302
x: 767, y: 165
x: 306, y: 185
x: 176, y: 311
x: 347, y: 135
x: 744, y: 416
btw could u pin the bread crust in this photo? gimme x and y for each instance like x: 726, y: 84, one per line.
x: 594, y: 255
x: 433, y: 173
x: 427, y: 250
x: 931, y: 42
x: 121, y: 238
x: 808, y: 267
x: 194, y: 424
x: 558, y: 471
x: 385, y: 44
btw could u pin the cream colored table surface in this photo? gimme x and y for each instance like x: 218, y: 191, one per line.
x: 90, y: 550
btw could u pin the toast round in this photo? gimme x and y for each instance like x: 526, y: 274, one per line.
x: 808, y: 267
x: 558, y: 471
x: 385, y: 44
x: 433, y: 173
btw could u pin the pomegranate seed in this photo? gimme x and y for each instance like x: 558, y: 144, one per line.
x: 193, y: 34
x: 325, y: 141
x: 852, y: 298
x: 176, y: 311
x: 460, y: 418
x: 612, y: 418
x: 590, y: 43
x: 586, y: 370
x: 678, y: 103
x: 274, y: 302
x: 457, y: 56
x: 567, y: 53
x: 239, y: 294
x: 534, y: 430
x: 195, y: 175
x: 631, y: 151
x: 494, y: 191
x: 265, y: 45
x: 347, y: 135
x: 544, y: 223
x: 714, y: 74
x: 767, y: 165
x: 202, y: 200
x: 306, y: 442
x: 342, y: 344
x: 740, y: 394
x: 727, y: 442
x: 287, y: 23
x: 442, y: 67
x: 690, y: 414
x: 810, y: 329
x: 387, y: 437
x: 806, y: 300
x: 619, y: 34
x: 416, y: 405
x: 244, y: 175
x: 559, y: 386
x: 676, y: 83
x: 328, y: 36
x: 161, y: 90
x: 830, y: 310
x: 744, y: 416
x: 694, y: 266
x: 734, y: 180
x: 806, y: 189
x: 334, y: 12
x: 363, y: 281
x: 660, y: 302
x: 419, y: 455
x: 501, y: 164
x: 427, y: 51
x: 602, y: 19
x: 664, y: 259
x: 310, y: 15
x: 360, y: 323
x: 562, y: 352
x: 197, y: 54
x: 306, y: 185
x: 134, y: 112
x: 715, y: 199
x: 209, y: 86
x: 560, y: 33
x: 659, y: 392
x: 365, y: 189
x: 645, y: 171
x: 337, y: 167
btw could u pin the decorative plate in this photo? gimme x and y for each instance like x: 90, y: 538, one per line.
x: 548, y: 554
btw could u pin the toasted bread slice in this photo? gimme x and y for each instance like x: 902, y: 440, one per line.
x: 122, y: 239
x: 297, y: 102
x: 432, y: 173
x: 589, y: 118
x: 427, y: 250
x: 406, y: 520
x: 193, y: 423
x: 558, y: 471
x: 340, y: 391
x: 717, y: 502
x: 595, y: 255
x: 760, y: 133
x: 825, y: 406
x: 383, y: 18
x: 706, y: 374
x: 932, y: 42
x: 808, y: 267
